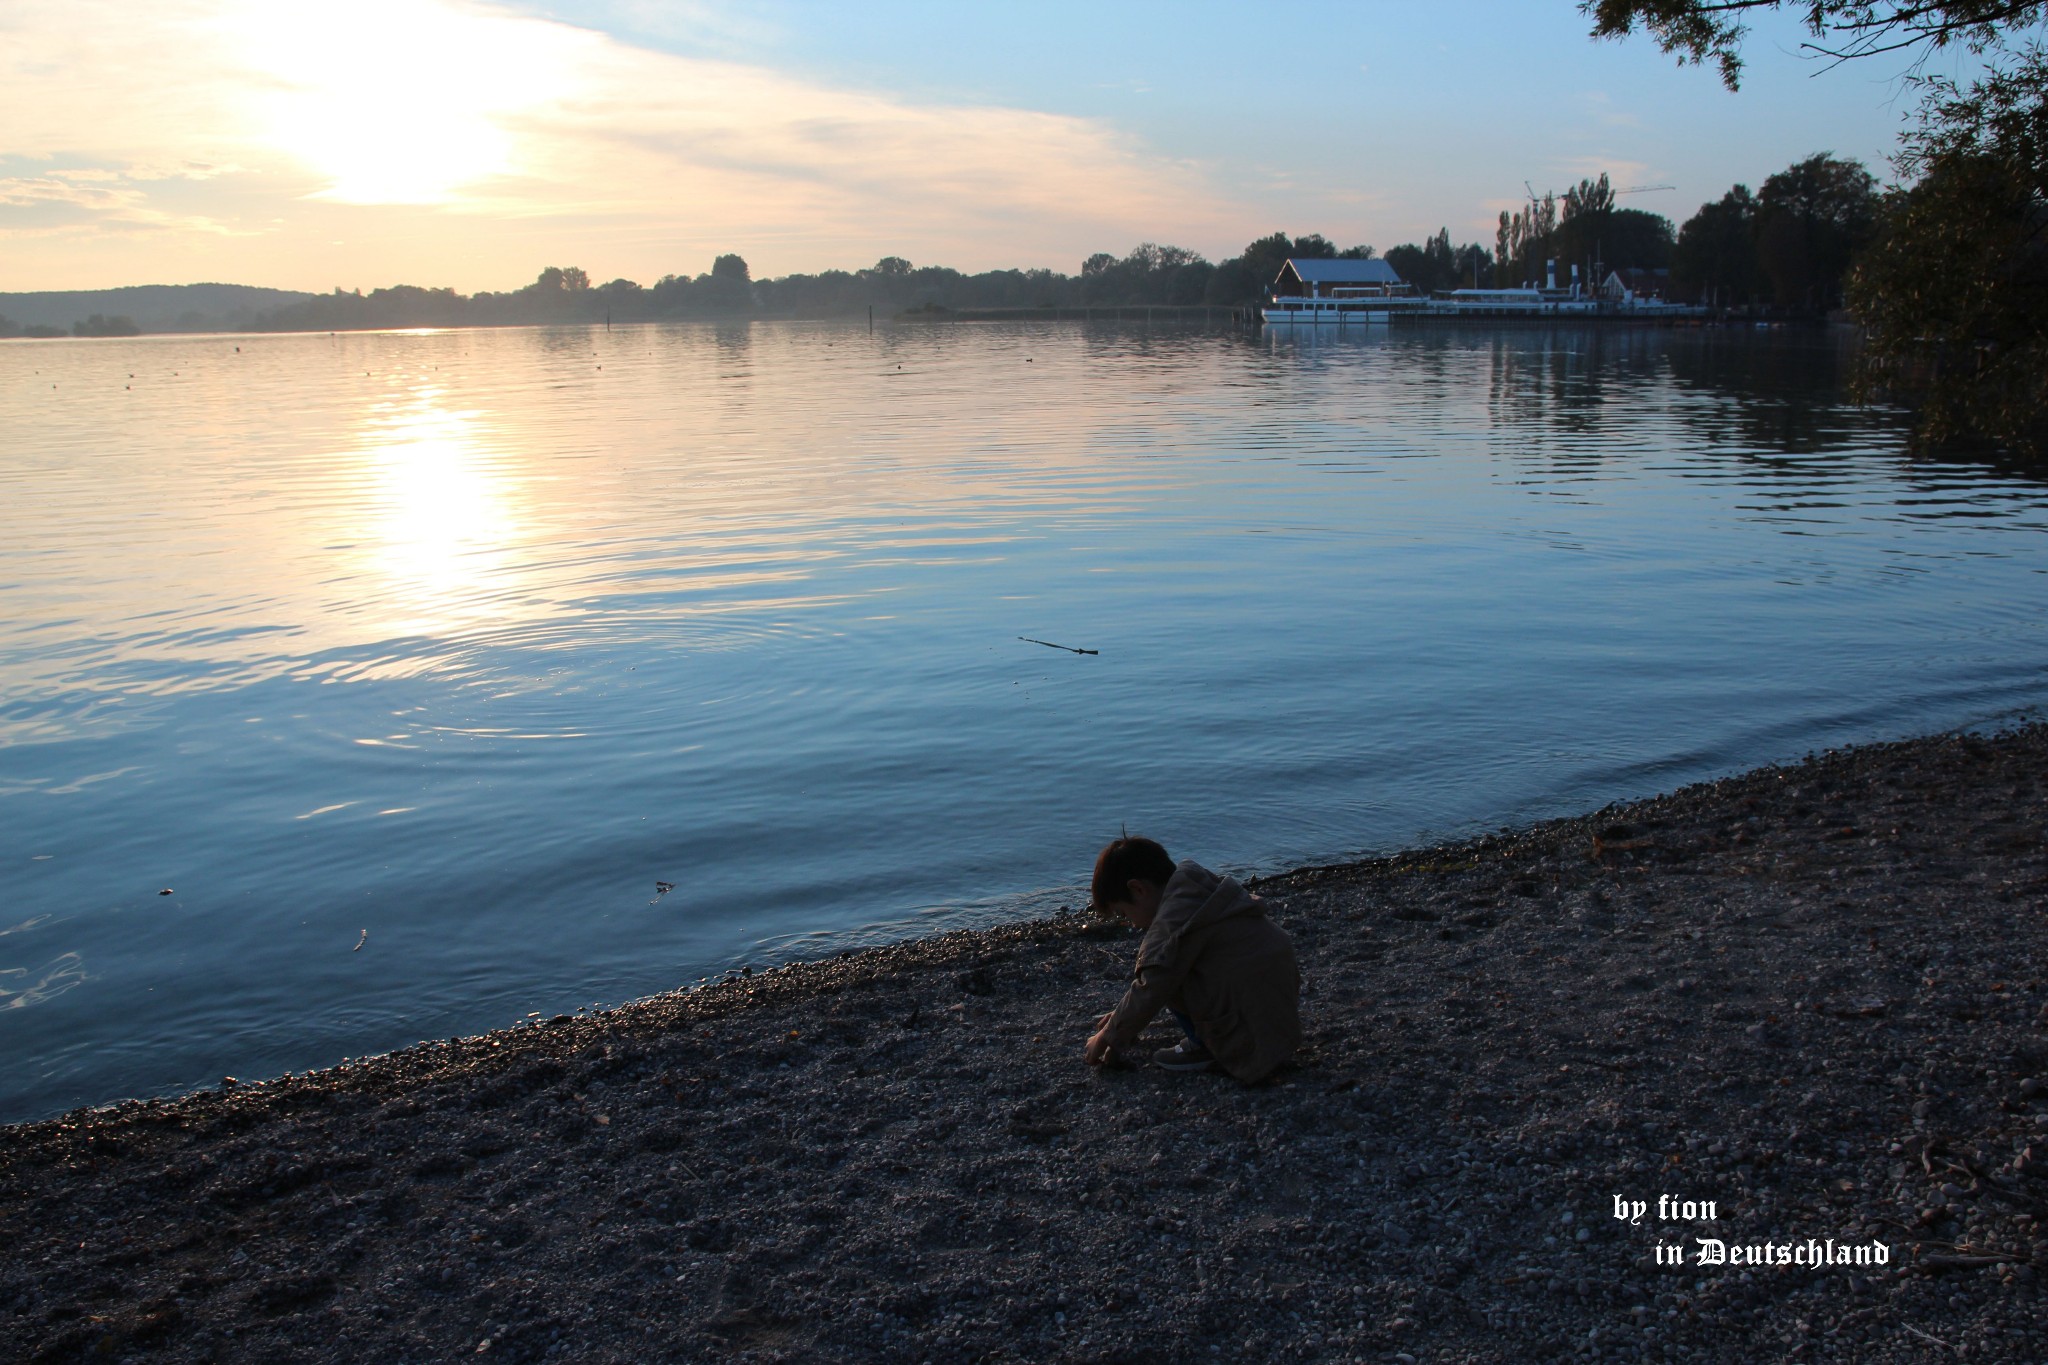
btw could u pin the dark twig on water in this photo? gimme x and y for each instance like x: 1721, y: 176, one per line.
x: 1050, y: 645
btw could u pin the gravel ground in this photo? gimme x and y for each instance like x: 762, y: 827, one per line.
x: 1810, y: 995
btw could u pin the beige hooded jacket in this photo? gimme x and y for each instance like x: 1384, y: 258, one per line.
x: 1212, y: 954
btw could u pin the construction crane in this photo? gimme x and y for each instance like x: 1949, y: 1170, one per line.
x: 1632, y: 189
x: 1597, y: 267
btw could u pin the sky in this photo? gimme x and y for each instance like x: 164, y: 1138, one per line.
x: 316, y: 144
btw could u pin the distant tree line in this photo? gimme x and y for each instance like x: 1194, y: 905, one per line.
x: 1151, y: 274
x: 1790, y: 247
x: 95, y: 326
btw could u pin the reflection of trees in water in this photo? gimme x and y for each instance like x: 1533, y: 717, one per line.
x: 1769, y: 399
x: 1776, y: 406
x: 559, y: 343
x: 1775, y: 400
x: 1553, y: 392
x: 734, y: 340
x: 1775, y: 394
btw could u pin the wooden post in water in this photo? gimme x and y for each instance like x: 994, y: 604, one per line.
x: 871, y: 319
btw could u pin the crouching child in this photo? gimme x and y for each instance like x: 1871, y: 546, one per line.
x: 1209, y: 955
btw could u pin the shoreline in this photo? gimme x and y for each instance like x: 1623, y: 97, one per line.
x: 1810, y: 996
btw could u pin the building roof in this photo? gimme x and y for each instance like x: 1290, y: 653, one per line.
x: 1374, y: 271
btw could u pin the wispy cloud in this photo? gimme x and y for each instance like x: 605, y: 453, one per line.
x: 477, y: 135
x: 96, y: 199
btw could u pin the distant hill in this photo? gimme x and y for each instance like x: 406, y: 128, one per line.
x: 153, y: 307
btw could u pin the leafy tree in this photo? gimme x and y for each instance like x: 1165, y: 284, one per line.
x: 1522, y: 245
x: 730, y: 288
x: 1701, y: 31
x: 1246, y: 278
x: 1432, y: 266
x: 557, y: 280
x: 1589, y: 198
x: 1949, y: 297
x: 1811, y: 220
x: 1437, y: 264
x: 1597, y: 237
x: 1954, y: 293
x: 1635, y: 239
x: 1715, y: 258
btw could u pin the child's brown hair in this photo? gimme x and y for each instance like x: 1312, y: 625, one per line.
x: 1123, y: 860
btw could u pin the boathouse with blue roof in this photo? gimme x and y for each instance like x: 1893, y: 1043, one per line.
x: 1332, y: 279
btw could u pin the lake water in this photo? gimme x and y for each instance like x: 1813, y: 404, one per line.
x: 409, y: 664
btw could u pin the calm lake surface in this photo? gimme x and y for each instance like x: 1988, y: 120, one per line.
x: 409, y: 664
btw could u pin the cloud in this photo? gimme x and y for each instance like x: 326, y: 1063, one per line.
x: 97, y: 199
x: 428, y: 119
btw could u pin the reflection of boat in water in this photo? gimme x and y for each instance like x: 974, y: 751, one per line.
x: 1354, y: 293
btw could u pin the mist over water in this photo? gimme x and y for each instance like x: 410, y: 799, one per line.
x: 410, y: 663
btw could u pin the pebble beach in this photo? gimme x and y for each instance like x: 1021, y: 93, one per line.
x: 1799, y: 1015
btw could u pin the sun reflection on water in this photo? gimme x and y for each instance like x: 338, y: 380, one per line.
x: 444, y: 521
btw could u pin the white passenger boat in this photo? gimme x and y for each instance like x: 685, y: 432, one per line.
x: 1339, y: 293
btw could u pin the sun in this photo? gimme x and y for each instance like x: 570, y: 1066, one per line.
x: 392, y: 103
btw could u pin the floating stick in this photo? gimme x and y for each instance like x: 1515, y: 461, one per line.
x: 1050, y: 645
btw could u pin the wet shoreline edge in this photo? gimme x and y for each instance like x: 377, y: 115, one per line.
x: 1810, y: 993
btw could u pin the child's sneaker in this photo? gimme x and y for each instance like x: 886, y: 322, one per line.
x: 1183, y: 1056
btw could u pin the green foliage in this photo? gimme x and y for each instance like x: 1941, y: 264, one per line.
x: 1702, y: 31
x: 1790, y: 246
x: 1953, y: 288
x: 1436, y: 264
x: 99, y: 325
x: 1245, y: 279
x: 1522, y: 245
x: 1714, y: 261
x: 557, y: 280
x: 1582, y: 229
x: 1811, y: 220
x: 1149, y: 274
x: 1588, y: 197
x: 1954, y: 293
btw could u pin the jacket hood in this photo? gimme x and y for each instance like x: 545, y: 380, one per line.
x: 1192, y: 896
